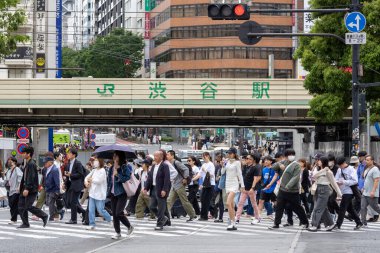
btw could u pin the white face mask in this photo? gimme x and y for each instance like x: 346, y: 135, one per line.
x: 96, y: 164
x: 331, y: 164
x: 291, y: 158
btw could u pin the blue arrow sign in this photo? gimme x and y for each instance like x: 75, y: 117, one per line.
x: 355, y: 22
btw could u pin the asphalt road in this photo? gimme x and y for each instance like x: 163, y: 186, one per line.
x: 184, y: 237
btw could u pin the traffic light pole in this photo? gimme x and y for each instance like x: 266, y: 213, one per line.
x: 355, y: 90
x: 355, y: 6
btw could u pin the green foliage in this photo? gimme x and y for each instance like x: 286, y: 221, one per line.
x: 106, y: 57
x: 10, y: 21
x: 326, y: 59
x: 167, y: 139
x: 327, y: 108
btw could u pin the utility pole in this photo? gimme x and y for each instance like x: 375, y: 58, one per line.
x: 355, y: 90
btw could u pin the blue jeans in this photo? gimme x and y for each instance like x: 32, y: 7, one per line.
x: 268, y: 207
x: 99, y: 204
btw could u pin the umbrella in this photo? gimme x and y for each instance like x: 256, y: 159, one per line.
x: 106, y: 152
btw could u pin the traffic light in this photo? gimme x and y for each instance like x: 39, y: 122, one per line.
x: 228, y: 11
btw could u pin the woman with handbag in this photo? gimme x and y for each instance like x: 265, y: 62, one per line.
x: 207, y: 176
x: 324, y: 180
x: 234, y: 184
x: 194, y: 185
x: 96, y: 182
x: 118, y: 174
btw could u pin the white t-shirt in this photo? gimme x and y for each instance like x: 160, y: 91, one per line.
x: 195, y: 172
x: 210, y: 168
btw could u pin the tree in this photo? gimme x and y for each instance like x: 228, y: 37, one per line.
x: 329, y: 61
x: 10, y: 21
x: 117, y: 55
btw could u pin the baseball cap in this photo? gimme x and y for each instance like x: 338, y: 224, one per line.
x: 232, y: 151
x: 147, y: 161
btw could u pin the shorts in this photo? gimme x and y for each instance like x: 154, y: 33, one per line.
x: 268, y: 196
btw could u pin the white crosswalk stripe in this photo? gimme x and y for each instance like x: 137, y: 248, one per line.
x: 180, y: 227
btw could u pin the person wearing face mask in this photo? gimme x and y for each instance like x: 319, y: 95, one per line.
x: 324, y: 179
x: 289, y: 190
x: 96, y: 182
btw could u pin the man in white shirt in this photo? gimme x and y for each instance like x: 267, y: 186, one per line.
x: 346, y: 177
x: 158, y: 184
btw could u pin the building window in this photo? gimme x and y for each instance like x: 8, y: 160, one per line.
x: 139, y: 5
x: 139, y: 23
x: 128, y: 23
x: 88, y: 18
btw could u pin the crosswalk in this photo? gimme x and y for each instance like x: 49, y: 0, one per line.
x: 144, y: 228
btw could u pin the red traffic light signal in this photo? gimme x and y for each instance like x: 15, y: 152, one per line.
x: 228, y: 11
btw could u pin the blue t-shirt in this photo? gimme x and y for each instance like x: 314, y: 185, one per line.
x: 267, y: 176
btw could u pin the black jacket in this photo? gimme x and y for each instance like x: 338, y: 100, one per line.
x: 162, y: 180
x: 305, y: 180
x: 29, y: 180
x: 76, y: 182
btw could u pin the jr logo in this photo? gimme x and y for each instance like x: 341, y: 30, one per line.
x: 107, y: 88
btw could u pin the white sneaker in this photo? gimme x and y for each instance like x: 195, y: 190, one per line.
x: 230, y: 227
x: 12, y: 223
x: 255, y: 221
x: 116, y: 237
x: 130, y: 230
x: 90, y: 228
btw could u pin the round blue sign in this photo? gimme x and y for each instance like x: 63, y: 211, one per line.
x: 23, y: 133
x: 355, y: 22
x: 93, y: 136
x: 93, y: 144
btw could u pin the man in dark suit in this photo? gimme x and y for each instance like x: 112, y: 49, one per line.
x: 75, y: 174
x: 52, y: 185
x: 158, y: 184
x: 29, y: 190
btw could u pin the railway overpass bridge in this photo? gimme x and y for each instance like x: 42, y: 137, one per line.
x: 154, y: 102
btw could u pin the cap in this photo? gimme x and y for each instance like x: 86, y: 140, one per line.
x: 318, y: 156
x: 138, y: 161
x: 147, y: 161
x: 48, y: 159
x: 232, y: 151
x: 354, y: 159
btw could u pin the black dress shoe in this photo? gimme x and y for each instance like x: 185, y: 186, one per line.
x: 71, y: 222
x: 23, y: 226
x: 168, y: 223
x: 375, y: 218
x: 288, y: 225
x: 45, y: 221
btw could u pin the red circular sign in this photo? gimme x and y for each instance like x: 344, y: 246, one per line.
x: 23, y: 133
x: 20, y: 147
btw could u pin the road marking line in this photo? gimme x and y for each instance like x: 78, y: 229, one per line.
x: 29, y: 236
x: 295, y: 241
x: 109, y: 245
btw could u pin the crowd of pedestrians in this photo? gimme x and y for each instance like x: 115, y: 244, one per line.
x: 327, y: 191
